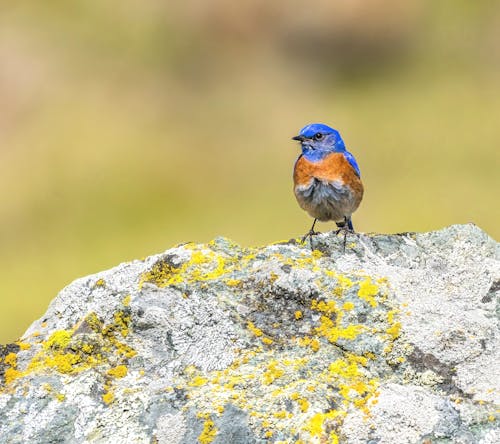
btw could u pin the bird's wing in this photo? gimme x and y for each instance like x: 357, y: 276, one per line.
x: 350, y: 158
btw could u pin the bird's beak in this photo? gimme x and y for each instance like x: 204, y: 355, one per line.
x: 299, y: 138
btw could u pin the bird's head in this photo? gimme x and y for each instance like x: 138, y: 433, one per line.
x: 318, y: 138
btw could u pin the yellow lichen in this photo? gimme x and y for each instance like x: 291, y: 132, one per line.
x: 120, y: 371
x: 341, y: 368
x: 334, y: 439
x: 238, y: 380
x: 197, y: 381
x: 122, y: 321
x: 58, y: 340
x: 273, y: 372
x: 333, y: 333
x: 327, y: 307
x: 204, y: 265
x: 208, y: 433
x: 314, y: 345
x: 367, y: 291
x: 123, y: 349
x: 100, y: 283
x: 363, y: 360
x: 395, y: 330
x: 316, y: 254
x: 108, y: 397
x: 256, y: 331
x: 390, y: 316
x: 318, y: 422
x: 63, y: 362
x: 273, y: 276
x: 348, y: 306
x: 68, y: 353
x: 262, y: 380
x: 303, y: 404
x: 11, y: 359
x: 307, y: 341
x: 87, y: 348
x: 11, y: 373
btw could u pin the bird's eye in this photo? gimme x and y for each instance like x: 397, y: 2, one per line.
x: 318, y: 136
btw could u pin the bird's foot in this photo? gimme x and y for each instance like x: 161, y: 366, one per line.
x: 345, y: 229
x: 309, y: 235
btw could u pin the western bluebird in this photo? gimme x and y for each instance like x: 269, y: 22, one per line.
x: 326, y: 177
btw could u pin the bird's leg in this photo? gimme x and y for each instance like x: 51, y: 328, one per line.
x: 311, y: 232
x: 345, y: 226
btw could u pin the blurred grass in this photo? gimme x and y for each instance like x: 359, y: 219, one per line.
x: 127, y: 129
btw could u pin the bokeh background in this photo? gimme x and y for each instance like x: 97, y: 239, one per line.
x: 129, y: 126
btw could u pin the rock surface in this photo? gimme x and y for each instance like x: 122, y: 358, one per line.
x: 395, y: 340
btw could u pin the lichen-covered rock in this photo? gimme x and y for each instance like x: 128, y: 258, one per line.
x: 394, y: 340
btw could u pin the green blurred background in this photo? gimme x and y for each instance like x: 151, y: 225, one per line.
x: 127, y: 127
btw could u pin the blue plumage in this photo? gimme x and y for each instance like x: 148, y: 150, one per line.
x: 350, y: 158
x: 318, y: 140
x: 327, y: 181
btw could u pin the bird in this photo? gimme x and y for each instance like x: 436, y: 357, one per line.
x: 327, y: 179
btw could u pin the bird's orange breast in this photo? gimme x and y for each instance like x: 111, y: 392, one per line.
x: 334, y: 167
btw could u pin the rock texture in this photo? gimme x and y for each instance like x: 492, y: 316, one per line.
x: 395, y: 340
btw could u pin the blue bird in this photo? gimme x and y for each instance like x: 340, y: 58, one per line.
x: 327, y: 180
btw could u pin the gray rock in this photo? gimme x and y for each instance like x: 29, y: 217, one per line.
x: 395, y: 340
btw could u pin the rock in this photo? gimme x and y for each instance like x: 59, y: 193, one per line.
x: 395, y: 340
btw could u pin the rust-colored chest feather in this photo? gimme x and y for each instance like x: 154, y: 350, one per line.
x: 334, y: 167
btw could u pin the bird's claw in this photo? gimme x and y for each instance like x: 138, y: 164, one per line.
x: 346, y: 230
x: 309, y: 235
